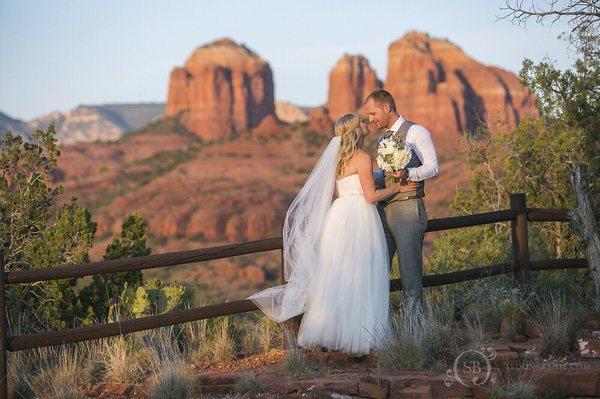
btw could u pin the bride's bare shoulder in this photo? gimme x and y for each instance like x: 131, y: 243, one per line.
x: 362, y: 156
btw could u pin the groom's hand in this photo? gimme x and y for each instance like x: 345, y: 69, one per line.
x: 401, y: 174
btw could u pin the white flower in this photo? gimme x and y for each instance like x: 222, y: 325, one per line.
x: 393, y: 154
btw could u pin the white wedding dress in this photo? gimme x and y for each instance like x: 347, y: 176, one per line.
x: 349, y: 300
x: 336, y: 264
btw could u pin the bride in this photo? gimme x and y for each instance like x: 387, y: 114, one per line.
x: 335, y: 254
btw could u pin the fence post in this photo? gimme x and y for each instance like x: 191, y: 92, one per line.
x: 519, y: 238
x: 3, y: 328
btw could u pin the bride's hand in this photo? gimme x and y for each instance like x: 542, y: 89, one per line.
x: 410, y: 186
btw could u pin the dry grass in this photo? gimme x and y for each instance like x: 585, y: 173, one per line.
x: 514, y: 387
x: 220, y: 346
x: 249, y: 385
x: 126, y: 363
x: 556, y: 317
x: 298, y: 365
x: 59, y: 372
x: 173, y: 380
x: 414, y: 345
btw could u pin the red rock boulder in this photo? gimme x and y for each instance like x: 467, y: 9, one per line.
x: 350, y: 81
x: 437, y: 85
x: 223, y: 88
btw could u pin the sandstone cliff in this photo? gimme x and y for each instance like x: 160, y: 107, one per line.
x: 223, y: 88
x: 436, y: 84
x: 350, y: 81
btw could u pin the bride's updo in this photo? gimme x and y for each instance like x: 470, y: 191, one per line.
x: 348, y: 128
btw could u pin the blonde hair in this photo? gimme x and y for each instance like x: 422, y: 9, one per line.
x: 348, y: 128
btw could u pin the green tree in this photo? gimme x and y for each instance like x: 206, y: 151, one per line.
x: 104, y: 291
x: 35, y: 233
x: 570, y: 100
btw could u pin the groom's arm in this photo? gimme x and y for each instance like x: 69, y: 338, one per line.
x: 421, y: 140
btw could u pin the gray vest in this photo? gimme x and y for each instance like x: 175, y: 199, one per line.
x: 414, y: 163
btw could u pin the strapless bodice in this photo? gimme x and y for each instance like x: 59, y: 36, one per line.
x: 349, y: 185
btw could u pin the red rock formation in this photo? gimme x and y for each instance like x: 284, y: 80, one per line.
x: 436, y: 84
x: 223, y: 88
x: 350, y: 81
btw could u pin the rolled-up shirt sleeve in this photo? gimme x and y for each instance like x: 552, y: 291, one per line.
x: 420, y: 138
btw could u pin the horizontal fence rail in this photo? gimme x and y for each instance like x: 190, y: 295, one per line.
x: 478, y: 219
x: 144, y: 262
x: 225, y: 251
x: 476, y: 273
x: 547, y: 215
x: 79, y: 334
x: 518, y: 215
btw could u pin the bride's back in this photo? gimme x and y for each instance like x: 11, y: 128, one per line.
x: 352, y: 166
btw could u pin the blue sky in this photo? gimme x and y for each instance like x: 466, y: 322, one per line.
x: 58, y: 54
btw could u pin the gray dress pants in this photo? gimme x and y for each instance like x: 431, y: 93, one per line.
x: 404, y: 224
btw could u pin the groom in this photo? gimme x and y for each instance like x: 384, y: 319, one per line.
x: 404, y: 216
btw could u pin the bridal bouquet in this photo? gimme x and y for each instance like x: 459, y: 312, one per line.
x: 393, y: 154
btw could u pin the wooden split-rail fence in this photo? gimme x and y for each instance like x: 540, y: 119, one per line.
x: 518, y: 215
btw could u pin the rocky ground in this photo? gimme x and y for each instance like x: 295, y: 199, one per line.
x: 577, y: 375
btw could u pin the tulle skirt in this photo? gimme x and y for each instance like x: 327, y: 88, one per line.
x: 349, y: 300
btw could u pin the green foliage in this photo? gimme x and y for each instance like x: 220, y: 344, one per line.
x: 414, y: 346
x: 220, y: 341
x: 35, y: 234
x: 26, y: 201
x: 153, y: 297
x: 104, y: 290
x: 570, y: 100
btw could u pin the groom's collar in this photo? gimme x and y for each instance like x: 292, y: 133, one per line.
x: 396, y: 126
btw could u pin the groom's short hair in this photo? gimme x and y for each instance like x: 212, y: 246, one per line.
x: 381, y: 97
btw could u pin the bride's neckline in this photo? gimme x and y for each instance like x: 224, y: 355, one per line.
x: 353, y: 174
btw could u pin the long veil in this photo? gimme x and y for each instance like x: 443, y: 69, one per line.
x: 301, y: 235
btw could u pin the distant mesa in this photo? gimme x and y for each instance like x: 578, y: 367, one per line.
x: 223, y: 88
x: 89, y: 123
x: 436, y: 84
x: 10, y: 124
x: 350, y: 81
x: 290, y: 113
